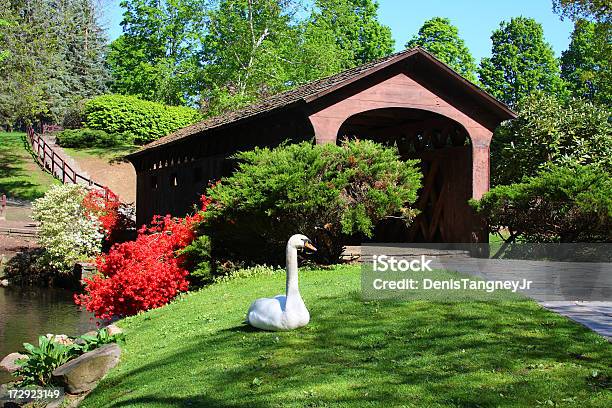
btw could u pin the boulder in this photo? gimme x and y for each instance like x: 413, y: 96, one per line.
x: 81, y: 374
x: 9, y: 364
x: 4, y: 396
x: 112, y: 329
x: 60, y: 338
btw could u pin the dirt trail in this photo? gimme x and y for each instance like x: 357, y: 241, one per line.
x: 59, y: 152
x: 120, y: 177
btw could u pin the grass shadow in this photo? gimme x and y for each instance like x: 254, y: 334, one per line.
x: 366, y: 354
x: 20, y: 177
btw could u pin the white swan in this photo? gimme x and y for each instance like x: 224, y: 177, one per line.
x: 284, y: 312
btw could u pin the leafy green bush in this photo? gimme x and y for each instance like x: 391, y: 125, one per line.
x: 136, y: 120
x: 87, y: 138
x: 550, y: 131
x: 560, y: 204
x: 198, y: 262
x: 327, y: 192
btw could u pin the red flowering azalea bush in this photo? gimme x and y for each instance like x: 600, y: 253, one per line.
x: 104, y: 204
x: 106, y: 207
x: 143, y: 274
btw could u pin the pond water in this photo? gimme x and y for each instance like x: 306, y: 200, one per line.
x: 26, y: 313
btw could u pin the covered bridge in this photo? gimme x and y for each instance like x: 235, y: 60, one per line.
x: 410, y: 99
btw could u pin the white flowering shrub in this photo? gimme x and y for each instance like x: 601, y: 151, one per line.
x: 67, y: 232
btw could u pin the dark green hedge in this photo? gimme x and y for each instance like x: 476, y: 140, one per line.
x: 571, y: 203
x: 326, y: 192
x: 136, y: 120
x: 87, y: 138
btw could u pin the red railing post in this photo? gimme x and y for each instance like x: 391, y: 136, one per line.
x: 2, y: 205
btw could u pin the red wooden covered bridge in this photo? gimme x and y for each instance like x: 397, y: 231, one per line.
x: 410, y: 99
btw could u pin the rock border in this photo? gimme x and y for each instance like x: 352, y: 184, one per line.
x: 78, y: 376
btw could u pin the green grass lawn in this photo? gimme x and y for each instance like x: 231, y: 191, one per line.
x: 20, y: 176
x: 196, y: 352
x: 108, y: 153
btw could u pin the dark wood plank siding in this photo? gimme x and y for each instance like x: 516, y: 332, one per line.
x: 171, y: 180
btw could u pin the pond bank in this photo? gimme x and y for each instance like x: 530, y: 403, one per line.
x: 26, y: 313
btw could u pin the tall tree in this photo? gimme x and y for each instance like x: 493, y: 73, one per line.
x: 600, y: 10
x: 441, y: 38
x: 4, y: 53
x: 521, y: 62
x: 355, y: 27
x: 257, y: 48
x: 83, y: 44
x: 56, y: 51
x: 20, y: 82
x: 587, y: 69
x: 587, y: 64
x: 156, y: 57
x: 235, y: 52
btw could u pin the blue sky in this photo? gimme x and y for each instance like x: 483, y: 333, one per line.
x: 476, y: 19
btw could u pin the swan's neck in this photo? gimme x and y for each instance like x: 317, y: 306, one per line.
x: 292, y: 272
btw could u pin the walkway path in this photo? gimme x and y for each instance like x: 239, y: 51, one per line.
x: 597, y: 316
x: 119, y: 176
x: 553, y: 282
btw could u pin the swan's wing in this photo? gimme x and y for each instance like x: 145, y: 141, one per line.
x: 282, y: 300
x: 266, y: 314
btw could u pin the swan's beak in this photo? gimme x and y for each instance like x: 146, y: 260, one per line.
x: 309, y: 246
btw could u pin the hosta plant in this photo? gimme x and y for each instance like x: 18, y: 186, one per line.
x: 87, y: 343
x: 43, y: 359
